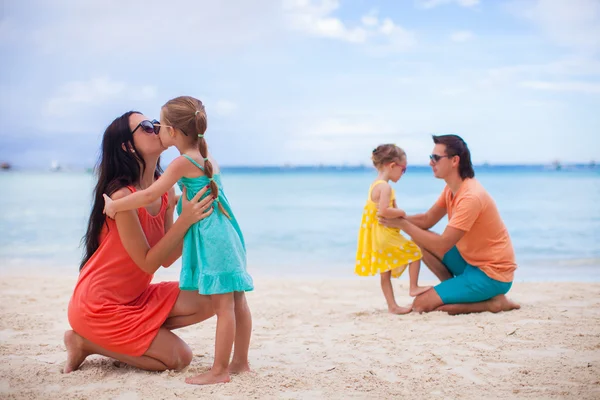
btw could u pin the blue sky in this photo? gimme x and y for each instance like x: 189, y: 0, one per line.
x: 306, y: 82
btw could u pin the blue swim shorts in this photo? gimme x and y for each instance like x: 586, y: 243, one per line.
x: 470, y: 284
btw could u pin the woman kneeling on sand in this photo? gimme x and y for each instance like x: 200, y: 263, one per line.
x: 115, y: 311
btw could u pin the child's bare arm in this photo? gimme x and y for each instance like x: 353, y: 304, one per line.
x: 144, y: 197
x: 384, y: 209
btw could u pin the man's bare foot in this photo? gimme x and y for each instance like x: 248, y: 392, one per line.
x: 209, y: 378
x: 75, y: 353
x: 417, y: 290
x: 502, y: 303
x: 239, y: 367
x: 399, y: 310
x: 494, y: 305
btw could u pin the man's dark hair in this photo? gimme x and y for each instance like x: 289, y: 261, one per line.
x: 456, y: 146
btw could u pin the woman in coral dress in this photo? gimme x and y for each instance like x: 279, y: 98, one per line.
x: 115, y: 310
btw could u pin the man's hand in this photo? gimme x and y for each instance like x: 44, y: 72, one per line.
x: 392, y: 222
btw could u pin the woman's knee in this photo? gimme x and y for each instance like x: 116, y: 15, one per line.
x: 180, y: 358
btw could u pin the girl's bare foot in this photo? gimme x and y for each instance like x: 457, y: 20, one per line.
x: 417, y: 290
x: 239, y: 367
x: 399, y: 310
x: 75, y: 352
x: 209, y: 378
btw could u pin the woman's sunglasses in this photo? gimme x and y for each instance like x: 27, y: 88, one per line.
x: 148, y: 126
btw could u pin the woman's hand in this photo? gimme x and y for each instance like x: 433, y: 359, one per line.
x: 193, y: 210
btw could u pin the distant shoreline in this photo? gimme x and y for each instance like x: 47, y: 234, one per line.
x: 351, y: 168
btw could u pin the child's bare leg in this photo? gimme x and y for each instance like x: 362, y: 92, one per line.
x: 243, y: 331
x: 223, y: 305
x: 413, y: 271
x: 388, y: 293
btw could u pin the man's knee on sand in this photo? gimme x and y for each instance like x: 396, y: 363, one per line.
x: 427, y: 302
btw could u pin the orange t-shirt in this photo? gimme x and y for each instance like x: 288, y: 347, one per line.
x: 486, y: 243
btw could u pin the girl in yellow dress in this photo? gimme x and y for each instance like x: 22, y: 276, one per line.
x: 383, y: 250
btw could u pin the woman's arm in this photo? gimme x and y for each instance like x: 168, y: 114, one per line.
x: 172, y: 203
x: 135, y: 242
x: 142, y: 198
x: 175, y: 254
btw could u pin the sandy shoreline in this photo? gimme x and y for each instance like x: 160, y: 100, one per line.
x: 327, y: 339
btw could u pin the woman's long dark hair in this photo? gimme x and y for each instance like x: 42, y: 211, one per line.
x: 116, y: 168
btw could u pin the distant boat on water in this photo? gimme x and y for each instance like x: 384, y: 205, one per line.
x: 557, y: 165
x: 55, y: 166
x: 5, y: 166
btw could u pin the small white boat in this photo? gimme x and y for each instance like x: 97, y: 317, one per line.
x: 55, y: 166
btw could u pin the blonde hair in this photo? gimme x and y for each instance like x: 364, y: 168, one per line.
x: 187, y: 114
x: 387, y: 153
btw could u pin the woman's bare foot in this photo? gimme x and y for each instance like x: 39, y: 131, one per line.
x: 417, y: 290
x: 75, y: 353
x: 209, y: 378
x: 239, y: 367
x: 399, y: 310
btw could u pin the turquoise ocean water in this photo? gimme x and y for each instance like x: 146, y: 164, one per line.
x: 303, y: 222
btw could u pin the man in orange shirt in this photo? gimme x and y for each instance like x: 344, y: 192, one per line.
x: 473, y: 257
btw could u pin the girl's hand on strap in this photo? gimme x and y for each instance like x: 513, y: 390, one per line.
x: 193, y: 210
x: 108, y: 207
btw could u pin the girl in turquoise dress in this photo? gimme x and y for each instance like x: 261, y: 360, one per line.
x: 214, y: 252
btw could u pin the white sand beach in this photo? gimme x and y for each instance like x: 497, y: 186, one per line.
x: 327, y: 339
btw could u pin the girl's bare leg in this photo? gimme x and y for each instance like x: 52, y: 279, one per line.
x: 413, y: 271
x: 243, y: 331
x: 388, y: 293
x: 224, y: 305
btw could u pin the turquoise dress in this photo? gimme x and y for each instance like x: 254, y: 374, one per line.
x: 214, y: 252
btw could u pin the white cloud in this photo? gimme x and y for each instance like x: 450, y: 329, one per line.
x: 341, y: 139
x: 370, y: 19
x: 435, y: 3
x: 574, y: 24
x: 572, y: 74
x: 314, y: 17
x: 75, y: 96
x: 581, y: 87
x: 461, y: 36
x: 225, y: 107
x: 346, y: 127
x: 136, y: 26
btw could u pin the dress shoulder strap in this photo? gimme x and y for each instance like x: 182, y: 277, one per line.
x: 377, y: 182
x: 193, y: 161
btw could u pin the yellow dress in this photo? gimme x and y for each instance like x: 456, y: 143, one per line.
x: 381, y: 249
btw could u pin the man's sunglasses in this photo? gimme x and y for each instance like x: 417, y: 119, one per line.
x: 436, y: 157
x: 148, y: 126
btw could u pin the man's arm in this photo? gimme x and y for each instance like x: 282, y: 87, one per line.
x: 429, y: 219
x: 431, y: 241
x: 465, y: 214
